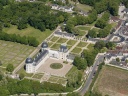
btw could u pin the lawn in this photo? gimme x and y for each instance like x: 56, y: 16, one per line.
x: 38, y: 76
x: 82, y: 44
x: 71, y: 42
x: 83, y: 28
x: 62, y: 40
x: 13, y: 53
x: 56, y: 66
x: 82, y: 7
x: 112, y: 81
x: 72, y: 70
x: 22, y: 70
x: 30, y: 31
x: 96, y: 29
x: 55, y: 46
x: 50, y: 44
x: 54, y: 39
x: 90, y: 47
x: 76, y: 50
x: 53, y: 79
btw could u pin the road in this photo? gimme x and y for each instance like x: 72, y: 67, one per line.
x: 88, y: 82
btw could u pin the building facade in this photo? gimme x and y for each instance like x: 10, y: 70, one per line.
x: 32, y: 65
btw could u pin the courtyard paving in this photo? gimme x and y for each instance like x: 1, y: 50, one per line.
x: 45, y: 68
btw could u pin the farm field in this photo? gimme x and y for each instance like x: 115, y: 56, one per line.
x: 30, y: 31
x: 13, y: 53
x: 112, y: 81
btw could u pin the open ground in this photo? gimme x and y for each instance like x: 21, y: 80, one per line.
x: 30, y: 31
x: 112, y: 81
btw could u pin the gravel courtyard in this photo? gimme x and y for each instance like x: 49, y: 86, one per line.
x: 45, y: 68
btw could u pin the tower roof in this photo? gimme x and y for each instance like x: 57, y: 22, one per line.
x: 29, y: 60
x: 44, y: 45
x: 63, y: 48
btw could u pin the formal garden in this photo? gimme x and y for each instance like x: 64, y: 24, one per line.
x: 13, y: 53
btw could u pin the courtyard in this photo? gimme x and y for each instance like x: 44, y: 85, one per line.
x: 45, y: 68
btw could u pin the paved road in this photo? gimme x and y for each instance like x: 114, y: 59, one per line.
x: 84, y: 89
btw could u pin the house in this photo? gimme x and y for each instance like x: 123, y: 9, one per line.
x: 55, y: 6
x: 62, y: 53
x: 114, y: 19
x: 125, y: 11
x: 83, y: 13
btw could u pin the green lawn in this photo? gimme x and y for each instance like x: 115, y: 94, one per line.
x: 56, y: 65
x: 72, y: 70
x: 37, y: 76
x: 24, y: 72
x: 53, y: 79
x: 54, y: 39
x: 71, y: 42
x: 62, y: 40
x: 96, y: 29
x: 30, y: 31
x: 82, y: 44
x: 90, y: 47
x: 56, y: 46
x: 76, y: 50
x: 82, y: 7
x: 83, y: 28
x: 69, y: 47
x: 49, y: 44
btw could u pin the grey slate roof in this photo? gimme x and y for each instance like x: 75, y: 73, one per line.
x: 44, y: 45
x: 41, y: 55
x: 63, y: 48
x: 29, y: 60
x: 126, y: 10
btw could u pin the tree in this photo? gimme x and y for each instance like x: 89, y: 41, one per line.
x: 21, y: 76
x: 92, y: 33
x: 80, y: 63
x: 1, y: 77
x: 110, y: 45
x: 118, y: 59
x: 9, y: 68
x: 99, y: 45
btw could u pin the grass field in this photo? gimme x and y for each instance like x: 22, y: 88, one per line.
x: 30, y: 31
x: 83, y: 28
x: 62, y: 40
x: 56, y: 46
x: 13, y: 53
x: 76, y: 50
x: 82, y: 7
x: 112, y: 81
x: 90, y: 47
x: 54, y: 39
x: 71, y: 42
x: 82, y: 44
x: 38, y: 76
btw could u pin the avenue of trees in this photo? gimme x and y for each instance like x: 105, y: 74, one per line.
x: 17, y: 38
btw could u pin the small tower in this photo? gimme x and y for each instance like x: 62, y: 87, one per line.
x: 63, y: 51
x: 29, y: 65
x: 44, y: 45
